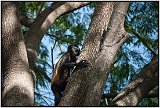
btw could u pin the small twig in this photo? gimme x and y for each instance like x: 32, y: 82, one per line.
x: 40, y: 8
x: 112, y: 95
x: 52, y: 53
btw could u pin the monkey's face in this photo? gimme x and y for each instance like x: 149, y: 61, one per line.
x: 74, y: 50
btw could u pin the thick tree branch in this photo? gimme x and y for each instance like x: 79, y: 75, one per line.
x: 42, y: 24
x: 18, y: 80
x: 145, y: 81
x: 28, y: 21
x: 113, y: 95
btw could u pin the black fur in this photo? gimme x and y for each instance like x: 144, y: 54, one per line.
x: 62, y: 71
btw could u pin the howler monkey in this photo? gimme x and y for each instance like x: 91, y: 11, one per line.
x: 62, y: 71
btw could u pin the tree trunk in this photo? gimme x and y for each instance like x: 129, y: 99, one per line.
x: 17, y: 79
x: 106, y: 34
x: 145, y: 81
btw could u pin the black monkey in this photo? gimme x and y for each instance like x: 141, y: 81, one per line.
x: 62, y: 71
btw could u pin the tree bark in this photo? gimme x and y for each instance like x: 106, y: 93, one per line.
x: 145, y: 81
x: 106, y: 34
x: 17, y: 79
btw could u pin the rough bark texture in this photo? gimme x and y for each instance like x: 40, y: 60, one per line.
x: 113, y: 37
x: 106, y: 34
x: 42, y: 23
x: 17, y: 79
x: 145, y: 81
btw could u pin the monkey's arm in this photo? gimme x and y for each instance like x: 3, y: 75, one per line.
x: 82, y: 63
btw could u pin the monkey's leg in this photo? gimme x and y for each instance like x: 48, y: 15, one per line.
x: 58, y: 96
x: 57, y: 93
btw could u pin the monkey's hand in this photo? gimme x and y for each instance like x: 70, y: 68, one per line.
x: 83, y: 63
